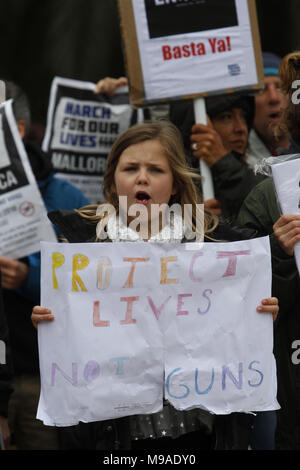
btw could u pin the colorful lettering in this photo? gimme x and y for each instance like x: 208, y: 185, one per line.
x: 72, y: 380
x: 187, y: 390
x: 91, y: 371
x: 204, y: 294
x: 79, y: 262
x: 157, y: 311
x: 96, y: 316
x: 232, y: 262
x: 237, y: 382
x: 165, y: 270
x: 180, y: 304
x: 129, y: 282
x: 251, y: 384
x: 204, y: 392
x: 103, y: 281
x: 128, y: 317
x: 58, y: 260
x: 120, y: 364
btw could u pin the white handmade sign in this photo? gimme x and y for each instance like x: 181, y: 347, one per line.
x: 137, y: 321
x: 286, y: 175
x: 23, y: 215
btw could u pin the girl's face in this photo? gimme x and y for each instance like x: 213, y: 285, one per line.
x: 143, y: 174
x: 232, y: 127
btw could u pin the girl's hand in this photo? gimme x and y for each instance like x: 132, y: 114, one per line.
x: 269, y: 305
x: 41, y: 314
x: 287, y: 232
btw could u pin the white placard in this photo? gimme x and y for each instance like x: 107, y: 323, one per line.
x: 207, y: 47
x: 23, y: 215
x: 129, y: 315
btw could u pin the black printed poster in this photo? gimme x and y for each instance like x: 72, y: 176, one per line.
x: 23, y: 216
x: 12, y: 174
x: 81, y: 128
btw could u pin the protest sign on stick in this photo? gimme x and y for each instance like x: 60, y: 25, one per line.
x: 191, y: 49
x: 81, y: 128
x: 210, y: 47
x: 23, y: 215
x: 138, y: 321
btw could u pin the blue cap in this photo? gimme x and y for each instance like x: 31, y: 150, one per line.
x: 271, y: 63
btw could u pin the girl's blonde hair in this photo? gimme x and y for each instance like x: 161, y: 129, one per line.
x: 170, y: 138
x: 289, y: 71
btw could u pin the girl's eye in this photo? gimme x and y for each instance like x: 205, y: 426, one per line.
x: 130, y: 168
x: 156, y: 170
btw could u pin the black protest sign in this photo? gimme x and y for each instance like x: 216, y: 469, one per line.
x: 81, y: 129
x: 12, y: 174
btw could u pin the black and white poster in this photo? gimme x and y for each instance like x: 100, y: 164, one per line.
x: 81, y: 128
x: 23, y: 216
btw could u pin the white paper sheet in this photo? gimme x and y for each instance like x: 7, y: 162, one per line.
x: 155, y: 314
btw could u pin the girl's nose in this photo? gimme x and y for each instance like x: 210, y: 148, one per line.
x: 142, y: 176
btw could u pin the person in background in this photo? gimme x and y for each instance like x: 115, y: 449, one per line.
x: 269, y: 105
x: 261, y: 212
x: 222, y: 144
x: 21, y: 291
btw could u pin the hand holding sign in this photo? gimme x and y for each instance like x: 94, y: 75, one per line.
x: 41, y: 314
x: 287, y: 232
x: 209, y: 145
x: 109, y: 85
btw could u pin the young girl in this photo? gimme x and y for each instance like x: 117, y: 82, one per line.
x: 147, y: 166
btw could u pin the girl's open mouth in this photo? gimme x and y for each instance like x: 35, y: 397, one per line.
x: 142, y: 197
x: 274, y: 116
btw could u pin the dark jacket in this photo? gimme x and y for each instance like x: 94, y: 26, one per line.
x: 232, y: 178
x: 259, y: 212
x: 6, y: 370
x: 56, y: 194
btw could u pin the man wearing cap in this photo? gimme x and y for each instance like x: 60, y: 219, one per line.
x: 269, y: 103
